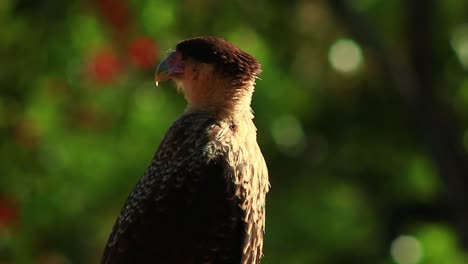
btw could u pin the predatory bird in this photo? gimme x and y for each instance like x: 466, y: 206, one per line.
x: 202, y: 198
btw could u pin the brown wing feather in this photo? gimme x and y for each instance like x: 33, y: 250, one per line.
x: 183, y: 210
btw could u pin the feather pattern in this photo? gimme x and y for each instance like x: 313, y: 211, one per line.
x: 199, y: 155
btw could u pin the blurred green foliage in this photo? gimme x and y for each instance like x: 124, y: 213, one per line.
x: 80, y: 118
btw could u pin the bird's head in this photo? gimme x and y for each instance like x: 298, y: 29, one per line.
x: 213, y: 74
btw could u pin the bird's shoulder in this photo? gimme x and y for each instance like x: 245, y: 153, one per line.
x: 185, y: 157
x: 186, y: 153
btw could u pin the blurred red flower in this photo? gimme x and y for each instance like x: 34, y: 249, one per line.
x: 89, y: 117
x: 8, y: 212
x: 105, y: 66
x: 143, y: 52
x: 116, y: 13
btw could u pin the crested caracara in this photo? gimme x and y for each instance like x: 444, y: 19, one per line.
x: 202, y: 198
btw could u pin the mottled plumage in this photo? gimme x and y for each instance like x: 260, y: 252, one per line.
x: 202, y: 199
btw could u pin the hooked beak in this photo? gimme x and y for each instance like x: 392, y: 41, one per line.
x: 162, y: 72
x: 171, y: 67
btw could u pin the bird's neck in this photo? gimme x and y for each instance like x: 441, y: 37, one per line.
x: 220, y: 98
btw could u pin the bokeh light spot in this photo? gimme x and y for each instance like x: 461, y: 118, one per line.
x: 288, y: 134
x: 345, y: 56
x: 406, y: 249
x: 459, y: 42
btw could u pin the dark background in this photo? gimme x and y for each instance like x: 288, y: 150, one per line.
x: 362, y: 114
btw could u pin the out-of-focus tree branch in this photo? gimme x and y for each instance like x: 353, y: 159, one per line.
x: 416, y: 85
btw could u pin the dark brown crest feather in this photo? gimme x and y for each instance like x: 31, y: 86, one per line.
x: 229, y: 59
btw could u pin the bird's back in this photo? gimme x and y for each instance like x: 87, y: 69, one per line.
x: 187, y: 207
